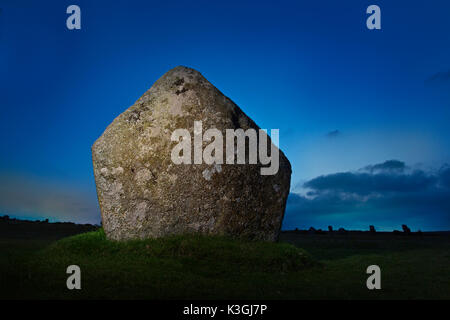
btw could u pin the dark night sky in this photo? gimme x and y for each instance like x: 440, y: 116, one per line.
x: 346, y: 99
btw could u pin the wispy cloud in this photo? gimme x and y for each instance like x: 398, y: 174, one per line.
x: 439, y: 78
x: 333, y: 134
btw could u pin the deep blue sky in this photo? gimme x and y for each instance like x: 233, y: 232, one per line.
x: 344, y: 97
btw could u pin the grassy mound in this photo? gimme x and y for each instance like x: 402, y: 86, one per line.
x: 188, y: 266
x: 195, y: 267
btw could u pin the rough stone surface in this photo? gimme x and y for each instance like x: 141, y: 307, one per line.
x: 143, y: 194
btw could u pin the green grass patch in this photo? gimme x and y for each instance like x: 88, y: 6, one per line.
x: 205, y: 267
x: 188, y: 266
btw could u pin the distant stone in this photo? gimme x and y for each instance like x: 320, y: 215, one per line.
x: 405, y: 229
x: 330, y: 228
x: 342, y: 230
x: 372, y: 229
x: 143, y: 194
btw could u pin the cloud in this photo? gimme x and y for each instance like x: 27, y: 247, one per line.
x: 444, y: 176
x: 34, y: 197
x: 388, y: 193
x: 389, y: 166
x: 368, y: 183
x: 439, y: 78
x: 333, y: 134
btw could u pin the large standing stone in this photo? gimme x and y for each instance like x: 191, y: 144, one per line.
x: 142, y: 193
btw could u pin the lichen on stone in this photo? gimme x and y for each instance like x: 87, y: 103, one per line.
x: 143, y: 194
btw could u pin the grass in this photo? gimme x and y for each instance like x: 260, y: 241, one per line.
x: 201, y: 267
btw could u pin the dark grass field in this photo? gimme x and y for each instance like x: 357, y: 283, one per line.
x: 33, y: 265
